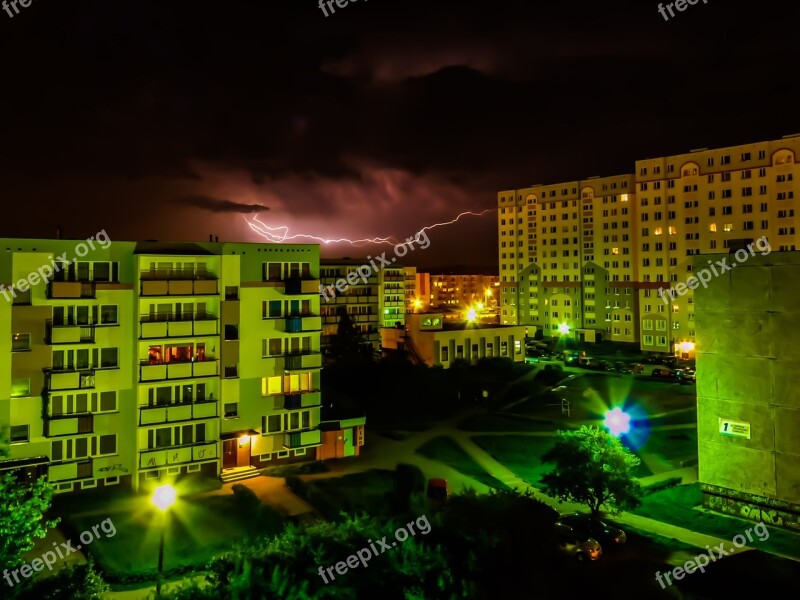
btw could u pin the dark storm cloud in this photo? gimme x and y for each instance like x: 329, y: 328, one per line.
x: 219, y: 205
x: 375, y: 119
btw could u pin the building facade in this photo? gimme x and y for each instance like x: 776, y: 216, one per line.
x: 392, y: 297
x: 748, y: 406
x: 462, y: 291
x: 418, y: 290
x: 360, y: 300
x: 154, y: 360
x: 429, y: 340
x: 592, y: 258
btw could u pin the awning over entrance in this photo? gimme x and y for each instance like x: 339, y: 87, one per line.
x: 233, y: 435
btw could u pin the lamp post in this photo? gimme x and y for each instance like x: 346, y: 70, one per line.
x: 163, y: 498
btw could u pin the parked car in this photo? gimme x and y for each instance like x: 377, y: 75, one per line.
x: 686, y: 376
x: 668, y: 374
x: 576, y: 544
x: 438, y: 492
x: 620, y: 367
x: 637, y: 368
x: 606, y: 534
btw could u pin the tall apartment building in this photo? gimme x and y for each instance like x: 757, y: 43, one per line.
x: 153, y: 360
x: 392, y: 297
x: 591, y: 258
x: 360, y: 300
x: 461, y: 291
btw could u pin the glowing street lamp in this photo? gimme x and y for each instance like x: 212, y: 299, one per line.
x: 618, y: 422
x: 563, y: 329
x: 472, y: 316
x: 163, y: 498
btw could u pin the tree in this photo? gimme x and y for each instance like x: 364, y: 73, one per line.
x: 348, y: 345
x: 22, y: 515
x: 77, y: 582
x: 592, y: 467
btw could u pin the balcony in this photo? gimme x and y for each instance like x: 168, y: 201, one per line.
x: 302, y: 323
x: 151, y: 415
x: 305, y: 399
x: 296, y: 286
x: 68, y: 425
x: 82, y: 469
x: 66, y: 290
x: 302, y: 439
x: 68, y: 334
x: 178, y: 370
x: 176, y: 455
x: 151, y: 327
x: 69, y: 379
x: 302, y: 362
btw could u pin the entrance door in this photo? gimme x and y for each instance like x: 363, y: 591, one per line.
x: 243, y: 453
x: 349, y: 449
x: 229, y: 454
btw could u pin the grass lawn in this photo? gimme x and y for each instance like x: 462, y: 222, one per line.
x: 199, y: 528
x: 519, y: 453
x: 447, y: 451
x: 676, y: 506
x: 680, y: 417
x: 499, y: 422
x: 673, y: 445
x: 367, y: 491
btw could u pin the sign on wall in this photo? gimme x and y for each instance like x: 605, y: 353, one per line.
x: 734, y: 428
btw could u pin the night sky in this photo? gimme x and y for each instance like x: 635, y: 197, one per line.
x: 175, y: 120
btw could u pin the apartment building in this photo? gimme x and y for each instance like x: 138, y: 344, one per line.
x: 392, y: 297
x: 147, y: 361
x: 461, y: 291
x: 360, y: 300
x: 591, y: 258
x: 418, y: 290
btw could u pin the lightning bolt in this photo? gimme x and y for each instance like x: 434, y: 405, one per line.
x: 280, y: 233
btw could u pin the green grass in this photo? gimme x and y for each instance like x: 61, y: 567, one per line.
x: 676, y: 506
x: 673, y: 445
x: 499, y: 422
x: 521, y: 454
x: 447, y: 451
x: 366, y: 491
x: 198, y: 529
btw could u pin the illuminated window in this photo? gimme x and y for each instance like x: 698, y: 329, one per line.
x: 727, y: 227
x: 659, y: 231
x: 712, y: 227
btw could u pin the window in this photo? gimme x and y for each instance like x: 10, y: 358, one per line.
x: 231, y: 410
x: 108, y: 314
x: 108, y: 401
x: 108, y: 358
x: 20, y: 434
x: 273, y: 423
x: 272, y: 309
x: 108, y: 443
x: 20, y: 388
x: 21, y: 342
x: 271, y: 385
x: 445, y: 353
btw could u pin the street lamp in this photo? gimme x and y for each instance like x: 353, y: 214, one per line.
x: 163, y: 498
x: 618, y: 422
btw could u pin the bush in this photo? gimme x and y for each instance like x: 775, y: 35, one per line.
x: 79, y: 582
x: 408, y: 480
x: 662, y: 485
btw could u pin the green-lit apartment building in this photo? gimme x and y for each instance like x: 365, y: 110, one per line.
x: 146, y: 361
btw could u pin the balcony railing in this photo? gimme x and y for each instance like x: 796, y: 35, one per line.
x: 70, y: 290
x: 304, y: 399
x: 179, y: 287
x: 184, y: 273
x: 178, y: 370
x: 299, y: 324
x: 296, y: 286
x: 197, y: 325
x: 69, y: 379
x: 175, y: 455
x: 68, y: 334
x: 151, y: 415
x: 302, y: 439
x: 301, y: 362
x: 68, y: 425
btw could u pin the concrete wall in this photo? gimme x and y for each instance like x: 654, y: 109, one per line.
x: 748, y: 352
